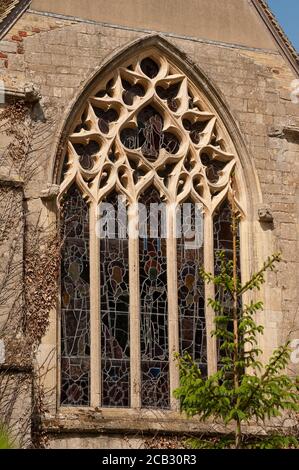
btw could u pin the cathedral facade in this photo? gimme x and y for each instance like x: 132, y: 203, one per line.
x: 129, y: 104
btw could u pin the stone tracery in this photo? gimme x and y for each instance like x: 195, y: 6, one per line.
x: 146, y: 133
x: 145, y: 124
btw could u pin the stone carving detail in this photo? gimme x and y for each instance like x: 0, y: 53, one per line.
x: 146, y: 124
x: 32, y: 94
x: 51, y: 192
x: 265, y: 215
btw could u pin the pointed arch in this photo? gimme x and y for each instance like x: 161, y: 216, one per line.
x: 148, y: 118
x: 246, y: 173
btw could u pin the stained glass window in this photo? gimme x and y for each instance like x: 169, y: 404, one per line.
x: 114, y: 311
x: 75, y: 301
x: 145, y: 134
x: 153, y: 309
x: 191, y: 289
x: 223, y: 241
x: 223, y: 238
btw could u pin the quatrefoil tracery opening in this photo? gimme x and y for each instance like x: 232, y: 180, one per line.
x: 146, y: 123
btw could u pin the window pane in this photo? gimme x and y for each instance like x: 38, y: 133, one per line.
x: 115, y: 352
x: 223, y: 238
x: 223, y: 241
x: 75, y: 302
x: 191, y: 293
x: 153, y: 308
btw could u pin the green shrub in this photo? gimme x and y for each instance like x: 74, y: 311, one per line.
x: 242, y: 389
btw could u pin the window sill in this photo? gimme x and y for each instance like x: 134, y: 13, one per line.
x: 98, y: 421
x: 113, y: 421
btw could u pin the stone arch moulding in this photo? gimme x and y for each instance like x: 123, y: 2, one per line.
x: 198, y: 132
x: 247, y: 175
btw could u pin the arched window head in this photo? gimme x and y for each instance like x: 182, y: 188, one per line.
x: 148, y: 168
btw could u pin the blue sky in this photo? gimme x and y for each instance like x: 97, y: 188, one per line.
x: 287, y: 13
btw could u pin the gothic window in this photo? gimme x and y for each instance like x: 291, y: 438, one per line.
x: 145, y: 185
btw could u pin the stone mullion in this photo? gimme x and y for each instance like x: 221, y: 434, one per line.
x: 173, y: 317
x: 135, y: 355
x: 209, y: 292
x: 95, y: 326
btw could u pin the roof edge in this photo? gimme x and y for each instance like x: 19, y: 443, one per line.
x: 284, y: 44
x: 13, y: 15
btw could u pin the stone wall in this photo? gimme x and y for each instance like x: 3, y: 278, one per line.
x: 59, y: 56
x: 15, y: 374
x: 199, y: 18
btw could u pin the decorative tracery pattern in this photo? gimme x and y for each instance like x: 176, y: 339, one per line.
x: 145, y: 133
x: 145, y: 124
